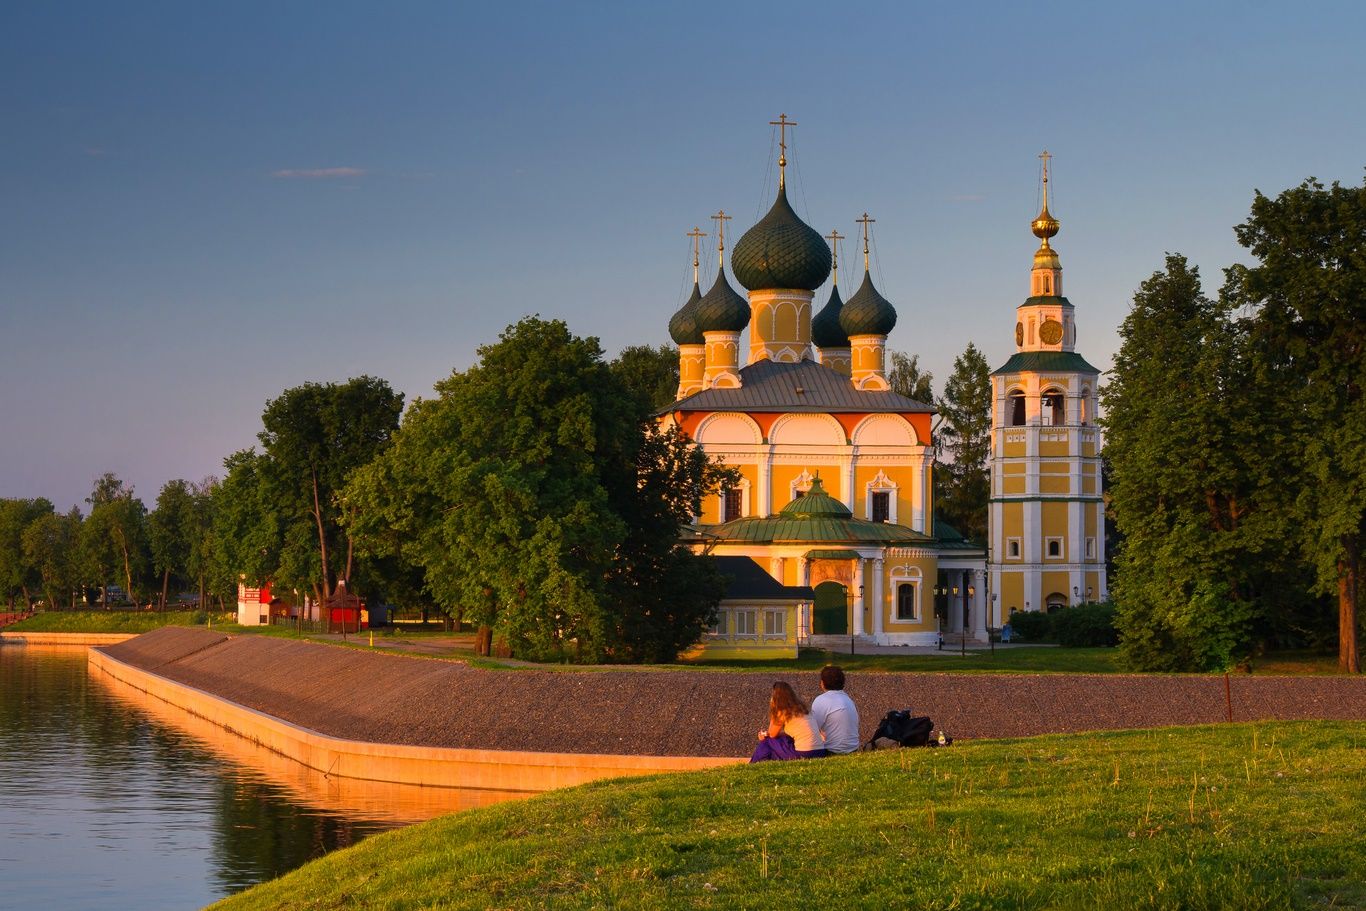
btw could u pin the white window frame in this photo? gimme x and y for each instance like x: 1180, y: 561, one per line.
x: 751, y: 616
x: 881, y: 484
x: 801, y: 482
x: 778, y: 614
x: 915, y: 601
x: 1090, y: 548
x: 718, y: 629
x: 1013, y: 549
x: 1062, y: 549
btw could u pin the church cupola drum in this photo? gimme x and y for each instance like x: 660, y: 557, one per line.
x: 867, y: 319
x: 781, y: 261
x: 683, y: 329
x: 832, y: 343
x: 721, y: 316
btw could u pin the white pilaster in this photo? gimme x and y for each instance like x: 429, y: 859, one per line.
x: 858, y: 597
x: 878, y: 605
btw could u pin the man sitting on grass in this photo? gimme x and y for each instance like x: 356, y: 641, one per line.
x: 833, y: 714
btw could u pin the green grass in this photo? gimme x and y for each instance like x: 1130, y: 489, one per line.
x: 1218, y: 817
x: 112, y: 621
x: 1012, y: 660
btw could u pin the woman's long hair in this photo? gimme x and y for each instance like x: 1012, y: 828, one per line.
x: 784, y: 704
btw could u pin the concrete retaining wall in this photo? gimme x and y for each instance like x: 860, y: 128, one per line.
x: 418, y: 765
x: 21, y: 638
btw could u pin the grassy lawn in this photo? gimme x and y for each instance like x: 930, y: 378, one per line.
x: 1230, y: 816
x: 1012, y: 660
x: 112, y: 621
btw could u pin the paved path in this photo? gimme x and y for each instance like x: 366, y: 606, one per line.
x: 395, y: 699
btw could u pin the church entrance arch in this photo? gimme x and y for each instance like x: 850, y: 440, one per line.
x: 830, y: 615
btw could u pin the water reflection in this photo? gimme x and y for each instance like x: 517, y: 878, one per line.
x: 114, y: 800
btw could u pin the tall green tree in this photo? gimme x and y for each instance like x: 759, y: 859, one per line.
x: 1307, y: 300
x: 649, y: 373
x: 114, y: 536
x: 906, y: 378
x: 541, y: 507
x: 18, y: 575
x: 314, y: 436
x: 52, y: 544
x: 172, y: 528
x: 962, y: 479
x: 246, y: 535
x: 1183, y: 413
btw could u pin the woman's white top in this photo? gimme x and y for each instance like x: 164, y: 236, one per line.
x: 804, y: 736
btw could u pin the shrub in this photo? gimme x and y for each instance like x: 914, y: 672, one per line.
x: 1031, y: 626
x: 1085, y: 626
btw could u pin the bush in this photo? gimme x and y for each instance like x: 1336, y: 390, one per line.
x: 1031, y: 626
x: 1085, y: 626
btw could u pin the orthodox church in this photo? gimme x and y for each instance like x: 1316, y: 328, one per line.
x: 836, y: 491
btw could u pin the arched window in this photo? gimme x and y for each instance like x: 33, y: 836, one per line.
x: 1054, y: 408
x: 1015, y: 409
x: 1083, y: 405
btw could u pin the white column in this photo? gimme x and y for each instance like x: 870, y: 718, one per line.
x: 777, y: 569
x: 858, y: 597
x: 847, y: 483
x: 764, y: 506
x: 878, y: 605
x: 803, y: 571
x: 979, y: 602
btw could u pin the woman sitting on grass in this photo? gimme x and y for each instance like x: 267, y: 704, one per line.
x: 789, y: 734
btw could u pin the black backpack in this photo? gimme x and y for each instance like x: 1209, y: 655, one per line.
x: 904, y: 728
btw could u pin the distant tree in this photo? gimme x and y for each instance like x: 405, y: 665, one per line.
x: 964, y: 484
x: 314, y: 436
x: 114, y: 536
x: 541, y: 506
x: 52, y: 544
x: 1306, y: 299
x: 906, y: 378
x: 18, y: 576
x: 650, y: 374
x: 246, y: 536
x: 1183, y: 415
x: 172, y: 528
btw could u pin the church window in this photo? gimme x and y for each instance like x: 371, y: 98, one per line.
x: 905, y: 601
x: 882, y: 510
x: 1054, y: 546
x: 1047, y: 287
x: 775, y: 624
x: 1015, y: 405
x: 732, y: 508
x: 1054, y: 408
x: 1090, y: 548
x: 719, y: 627
x: 745, y: 621
x: 1013, y: 548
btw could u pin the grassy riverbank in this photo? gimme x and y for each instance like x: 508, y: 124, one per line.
x: 1231, y: 816
x: 111, y: 621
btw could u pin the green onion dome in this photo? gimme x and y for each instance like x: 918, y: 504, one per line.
x: 781, y: 251
x: 867, y: 312
x: 825, y: 325
x: 683, y: 324
x: 817, y: 504
x: 721, y: 309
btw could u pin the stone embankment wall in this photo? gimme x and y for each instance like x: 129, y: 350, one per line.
x: 75, y: 639
x: 391, y: 699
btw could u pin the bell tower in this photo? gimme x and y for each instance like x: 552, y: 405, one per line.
x: 1046, y: 515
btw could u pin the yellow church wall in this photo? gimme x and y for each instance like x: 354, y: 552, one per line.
x: 904, y: 477
x: 1088, y: 485
x: 1012, y: 592
x: 1014, y: 485
x: 782, y: 477
x: 898, y: 570
x: 1055, y: 583
x: 728, y: 644
x: 1088, y: 448
x: 1055, y: 484
x: 1012, y: 520
x: 1053, y: 519
x: 1013, y: 449
x: 1053, y: 449
x: 711, y: 505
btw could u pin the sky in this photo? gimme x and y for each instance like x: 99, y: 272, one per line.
x: 202, y: 205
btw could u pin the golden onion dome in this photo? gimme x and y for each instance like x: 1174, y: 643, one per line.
x: 1045, y: 226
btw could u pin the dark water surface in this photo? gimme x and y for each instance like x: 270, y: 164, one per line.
x: 104, y: 805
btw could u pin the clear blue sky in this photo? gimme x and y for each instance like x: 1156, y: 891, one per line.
x: 201, y: 206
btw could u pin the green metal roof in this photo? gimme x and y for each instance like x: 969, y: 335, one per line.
x: 816, y: 517
x: 832, y: 555
x: 1046, y: 362
x: 781, y: 251
x: 867, y: 312
x: 1054, y: 300
x: 825, y: 325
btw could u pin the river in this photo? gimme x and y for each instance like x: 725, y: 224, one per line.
x: 108, y: 800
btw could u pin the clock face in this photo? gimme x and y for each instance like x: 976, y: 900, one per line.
x: 1050, y: 333
x: 1019, y: 334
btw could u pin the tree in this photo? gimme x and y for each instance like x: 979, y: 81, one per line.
x: 1183, y: 411
x: 314, y: 436
x: 1306, y: 299
x: 906, y: 378
x: 540, y: 506
x: 114, y: 536
x: 172, y: 529
x: 650, y: 374
x: 963, y: 481
x: 245, y: 537
x: 18, y: 576
x: 52, y: 545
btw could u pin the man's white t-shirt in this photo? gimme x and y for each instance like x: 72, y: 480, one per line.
x: 834, y: 716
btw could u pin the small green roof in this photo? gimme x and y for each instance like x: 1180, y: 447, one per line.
x: 816, y: 503
x: 832, y: 555
x: 1046, y: 362
x: 825, y: 325
x: 814, y: 518
x: 1040, y: 300
x: 721, y: 309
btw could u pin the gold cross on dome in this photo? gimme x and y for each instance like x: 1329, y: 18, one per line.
x: 1044, y: 156
x: 696, y: 234
x: 782, y: 123
x: 835, y: 237
x: 865, y: 221
x: 721, y: 218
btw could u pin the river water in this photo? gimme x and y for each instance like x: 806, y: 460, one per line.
x: 109, y: 800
